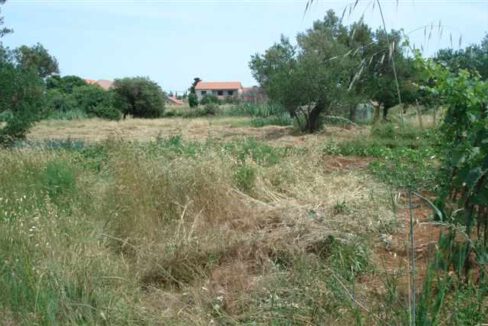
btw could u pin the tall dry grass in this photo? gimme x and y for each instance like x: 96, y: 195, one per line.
x: 175, y: 232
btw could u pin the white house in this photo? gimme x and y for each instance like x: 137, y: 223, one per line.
x: 220, y: 89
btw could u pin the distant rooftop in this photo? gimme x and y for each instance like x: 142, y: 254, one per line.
x: 218, y: 85
x: 173, y: 100
x: 105, y: 84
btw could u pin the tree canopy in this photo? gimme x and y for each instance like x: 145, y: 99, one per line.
x: 332, y: 68
x: 472, y: 58
x: 37, y: 58
x: 21, y: 94
x: 139, y: 97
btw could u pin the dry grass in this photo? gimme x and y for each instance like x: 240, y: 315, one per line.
x: 144, y: 129
x: 164, y: 239
x: 190, y: 129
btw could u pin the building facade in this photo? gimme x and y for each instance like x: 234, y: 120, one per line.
x: 221, y: 90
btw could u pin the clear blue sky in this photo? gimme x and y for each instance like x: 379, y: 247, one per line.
x: 173, y: 41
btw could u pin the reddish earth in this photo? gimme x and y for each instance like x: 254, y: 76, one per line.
x: 393, y: 254
x: 341, y: 163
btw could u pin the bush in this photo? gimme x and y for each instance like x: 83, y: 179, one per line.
x: 59, y: 178
x: 245, y: 177
x: 210, y: 109
x: 257, y: 110
x: 207, y: 99
x: 280, y: 120
x: 71, y: 98
x: 75, y: 114
x: 90, y: 96
x: 59, y: 101
x: 139, y: 97
x: 106, y: 112
x: 96, y: 102
x: 64, y: 84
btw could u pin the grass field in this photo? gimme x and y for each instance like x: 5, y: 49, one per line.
x: 210, y: 221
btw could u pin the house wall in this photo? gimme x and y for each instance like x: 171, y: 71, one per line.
x: 201, y: 93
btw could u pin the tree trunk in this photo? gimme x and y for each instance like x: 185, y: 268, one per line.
x: 352, y: 113
x: 313, y: 121
x: 419, y: 115
x: 376, y: 113
x: 385, y: 113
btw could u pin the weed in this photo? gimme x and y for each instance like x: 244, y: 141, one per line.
x: 59, y: 178
x: 245, y: 177
x: 341, y: 207
x: 279, y: 120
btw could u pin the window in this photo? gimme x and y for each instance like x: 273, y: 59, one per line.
x: 220, y: 93
x: 231, y: 92
x: 204, y: 92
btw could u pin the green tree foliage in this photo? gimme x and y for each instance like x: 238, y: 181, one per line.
x: 472, y: 58
x: 210, y: 99
x: 379, y: 81
x: 21, y: 99
x: 96, y: 101
x: 21, y: 94
x: 333, y: 68
x: 139, y: 97
x: 311, y: 78
x: 192, y: 100
x: 192, y: 97
x: 37, y: 58
x: 464, y: 192
x: 3, y: 30
x: 71, y: 93
x: 64, y: 84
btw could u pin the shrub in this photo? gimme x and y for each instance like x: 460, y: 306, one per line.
x: 59, y: 178
x: 207, y: 99
x: 64, y: 84
x: 105, y: 112
x: 245, y: 177
x: 139, y: 97
x: 211, y: 109
x: 280, y: 120
x: 75, y: 114
x: 59, y: 101
x: 258, y: 110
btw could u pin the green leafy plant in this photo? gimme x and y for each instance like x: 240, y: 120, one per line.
x: 465, y: 155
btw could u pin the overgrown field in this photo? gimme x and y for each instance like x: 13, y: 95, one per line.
x: 220, y: 230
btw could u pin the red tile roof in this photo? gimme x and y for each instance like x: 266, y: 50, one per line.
x: 105, y: 84
x: 173, y: 100
x: 218, y: 85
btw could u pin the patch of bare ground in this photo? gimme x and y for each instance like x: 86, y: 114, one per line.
x: 394, y: 252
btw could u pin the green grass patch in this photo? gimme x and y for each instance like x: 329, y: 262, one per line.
x: 403, y: 157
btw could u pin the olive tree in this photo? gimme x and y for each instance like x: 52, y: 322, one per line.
x: 139, y: 97
x: 308, y: 79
